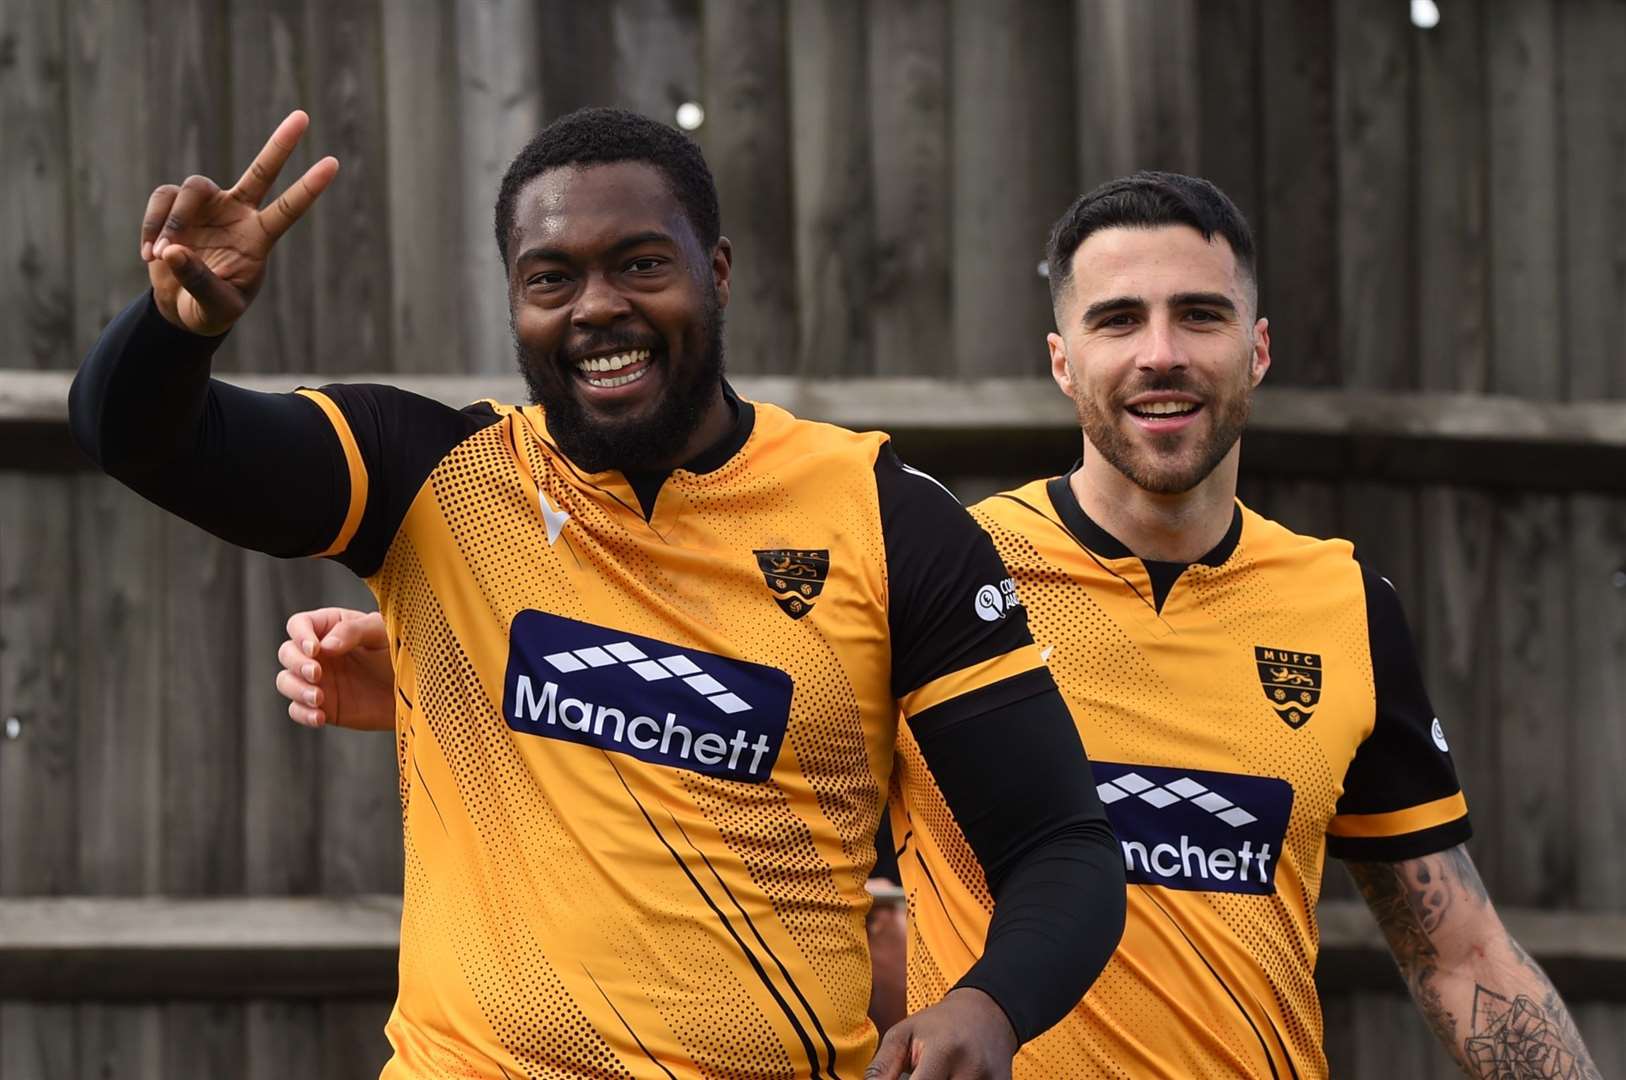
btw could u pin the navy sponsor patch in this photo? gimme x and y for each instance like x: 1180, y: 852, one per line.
x: 1196, y: 830
x: 662, y: 703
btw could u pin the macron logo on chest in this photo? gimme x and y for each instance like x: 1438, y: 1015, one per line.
x: 553, y: 519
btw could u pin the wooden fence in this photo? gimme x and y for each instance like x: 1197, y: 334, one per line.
x: 1440, y: 213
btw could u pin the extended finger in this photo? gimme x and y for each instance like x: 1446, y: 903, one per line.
x: 158, y: 204
x: 195, y: 193
x: 291, y: 205
x: 358, y: 630
x: 262, y: 172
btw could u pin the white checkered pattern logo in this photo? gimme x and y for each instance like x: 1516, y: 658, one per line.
x: 666, y: 667
x: 1164, y: 795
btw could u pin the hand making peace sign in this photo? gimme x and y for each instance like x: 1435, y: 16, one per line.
x: 205, y: 248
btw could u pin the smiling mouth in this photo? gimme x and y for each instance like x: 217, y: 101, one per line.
x: 1164, y: 410
x: 617, y: 369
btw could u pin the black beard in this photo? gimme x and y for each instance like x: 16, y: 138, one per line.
x: 1123, y: 454
x: 640, y: 444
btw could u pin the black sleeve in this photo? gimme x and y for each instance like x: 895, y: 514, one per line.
x: 1019, y: 786
x: 1005, y: 754
x: 264, y: 471
x: 951, y: 603
x: 1401, y: 796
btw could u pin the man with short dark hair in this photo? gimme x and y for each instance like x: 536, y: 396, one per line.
x: 650, y: 643
x: 1251, y: 699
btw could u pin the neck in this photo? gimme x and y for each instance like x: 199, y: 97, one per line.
x: 1178, y: 528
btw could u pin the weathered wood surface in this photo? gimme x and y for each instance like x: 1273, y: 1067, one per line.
x: 1440, y: 210
x: 122, y: 948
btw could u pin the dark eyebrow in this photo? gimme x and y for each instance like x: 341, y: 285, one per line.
x: 1116, y: 303
x: 550, y: 254
x: 1203, y: 299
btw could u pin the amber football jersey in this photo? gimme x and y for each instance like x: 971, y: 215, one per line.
x: 645, y: 731
x: 1243, y: 715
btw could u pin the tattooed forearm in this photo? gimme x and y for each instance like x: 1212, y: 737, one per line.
x: 1520, y: 1038
x: 1408, y: 911
x: 1460, y: 962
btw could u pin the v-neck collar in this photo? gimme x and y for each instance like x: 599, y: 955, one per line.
x: 1094, y: 538
x: 646, y: 485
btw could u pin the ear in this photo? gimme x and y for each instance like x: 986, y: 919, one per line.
x: 722, y: 268
x: 1261, y: 352
x: 1059, y: 370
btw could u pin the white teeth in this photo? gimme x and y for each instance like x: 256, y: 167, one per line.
x: 613, y: 363
x: 620, y: 380
x: 1165, y: 408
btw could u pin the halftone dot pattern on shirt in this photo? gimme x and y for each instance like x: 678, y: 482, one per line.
x: 1207, y: 982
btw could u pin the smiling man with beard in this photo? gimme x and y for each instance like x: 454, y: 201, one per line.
x: 652, y: 645
x: 1251, y: 699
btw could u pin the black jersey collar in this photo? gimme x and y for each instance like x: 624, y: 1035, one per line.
x: 647, y: 484
x: 1103, y: 543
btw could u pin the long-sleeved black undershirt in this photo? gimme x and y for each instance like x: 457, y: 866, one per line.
x: 267, y: 471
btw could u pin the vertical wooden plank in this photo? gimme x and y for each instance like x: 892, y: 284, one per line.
x: 1373, y: 113
x: 420, y: 64
x: 1593, y: 177
x: 1525, y: 304
x: 268, y: 77
x: 1449, y: 224
x: 1382, y: 1036
x: 39, y: 685
x: 909, y: 155
x: 38, y: 762
x: 1460, y: 643
x: 747, y: 142
x: 1603, y: 1027
x: 1298, y: 257
x: 657, y: 55
x: 198, y: 618
x: 36, y: 311
x: 353, y: 1042
x: 499, y: 101
x: 283, y: 1039
x: 1593, y: 145
x: 1013, y: 138
x: 119, y: 542
x: 833, y: 200
x: 1138, y: 77
x: 352, y: 314
x: 576, y: 56
x: 37, y: 1041
x: 1228, y: 100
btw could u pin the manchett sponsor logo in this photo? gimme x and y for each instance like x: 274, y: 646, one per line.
x: 1196, y: 830
x: 649, y: 699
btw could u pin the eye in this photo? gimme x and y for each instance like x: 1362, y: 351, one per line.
x: 1118, y: 321
x: 1203, y: 315
x: 645, y: 264
x: 546, y: 279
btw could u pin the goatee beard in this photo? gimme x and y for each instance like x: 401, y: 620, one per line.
x: 1146, y: 469
x: 644, y: 443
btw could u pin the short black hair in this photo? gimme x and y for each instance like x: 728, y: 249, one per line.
x: 1147, y: 200
x: 599, y: 136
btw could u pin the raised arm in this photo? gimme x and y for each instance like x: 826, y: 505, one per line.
x: 1486, y: 999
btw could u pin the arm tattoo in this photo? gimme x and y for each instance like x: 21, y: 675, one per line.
x: 1408, y: 911
x: 1523, y: 1032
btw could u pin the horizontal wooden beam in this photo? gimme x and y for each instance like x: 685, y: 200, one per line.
x: 1018, y: 427
x: 83, y: 948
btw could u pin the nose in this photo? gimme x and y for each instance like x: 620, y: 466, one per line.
x: 1163, y: 352
x: 599, y: 304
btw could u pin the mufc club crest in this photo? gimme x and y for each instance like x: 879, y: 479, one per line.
x: 1291, y: 681
x: 795, y: 577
